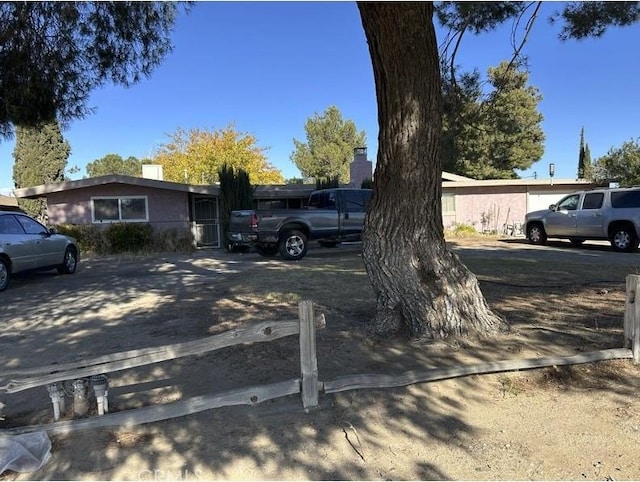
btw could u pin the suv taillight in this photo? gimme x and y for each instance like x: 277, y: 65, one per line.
x: 254, y: 222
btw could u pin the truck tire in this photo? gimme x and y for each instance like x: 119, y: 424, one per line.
x: 293, y: 245
x: 623, y: 238
x: 536, y: 233
x: 267, y: 251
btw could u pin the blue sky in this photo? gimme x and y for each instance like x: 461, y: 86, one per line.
x: 267, y: 67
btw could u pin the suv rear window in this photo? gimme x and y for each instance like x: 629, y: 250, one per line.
x: 625, y: 199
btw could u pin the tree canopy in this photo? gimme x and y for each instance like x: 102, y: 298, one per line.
x: 115, y: 164
x: 489, y: 136
x: 195, y: 156
x: 620, y: 164
x: 328, y: 151
x: 53, y: 54
x: 40, y: 157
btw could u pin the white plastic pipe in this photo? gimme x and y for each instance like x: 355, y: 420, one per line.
x: 100, y: 384
x: 57, y: 399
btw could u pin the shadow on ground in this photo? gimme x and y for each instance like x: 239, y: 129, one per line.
x: 118, y: 304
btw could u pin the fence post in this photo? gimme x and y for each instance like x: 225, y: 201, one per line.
x: 308, y: 360
x: 632, y: 317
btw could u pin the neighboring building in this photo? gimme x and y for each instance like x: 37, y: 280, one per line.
x: 497, y: 204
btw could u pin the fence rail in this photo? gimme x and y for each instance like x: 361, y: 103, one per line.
x: 308, y: 384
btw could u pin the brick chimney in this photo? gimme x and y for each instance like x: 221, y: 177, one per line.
x: 360, y: 169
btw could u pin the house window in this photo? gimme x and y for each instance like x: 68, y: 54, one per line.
x: 448, y: 203
x: 119, y: 209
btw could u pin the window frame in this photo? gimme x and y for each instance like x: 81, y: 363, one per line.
x: 119, y: 199
x: 448, y: 195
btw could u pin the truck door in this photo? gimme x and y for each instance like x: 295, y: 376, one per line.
x: 354, y: 208
x: 589, y: 217
x: 562, y: 221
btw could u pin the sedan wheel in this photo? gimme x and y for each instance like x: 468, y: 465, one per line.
x: 5, y: 274
x: 70, y: 262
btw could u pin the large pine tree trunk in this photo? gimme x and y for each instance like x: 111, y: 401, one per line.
x: 420, y: 284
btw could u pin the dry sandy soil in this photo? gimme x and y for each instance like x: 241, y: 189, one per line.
x: 570, y: 423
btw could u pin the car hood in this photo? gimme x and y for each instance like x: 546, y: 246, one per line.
x: 537, y: 214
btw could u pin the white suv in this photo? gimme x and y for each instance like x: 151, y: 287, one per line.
x: 609, y: 214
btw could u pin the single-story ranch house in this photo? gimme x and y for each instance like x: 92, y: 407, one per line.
x: 488, y: 205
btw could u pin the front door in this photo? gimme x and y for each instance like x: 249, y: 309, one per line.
x: 206, y: 223
x: 562, y: 222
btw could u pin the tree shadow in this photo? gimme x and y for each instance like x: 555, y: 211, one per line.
x: 117, y: 304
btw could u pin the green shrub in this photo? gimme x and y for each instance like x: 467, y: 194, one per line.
x: 90, y: 237
x: 462, y: 230
x: 129, y: 237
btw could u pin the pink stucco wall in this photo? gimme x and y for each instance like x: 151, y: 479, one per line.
x: 497, y: 205
x: 167, y: 208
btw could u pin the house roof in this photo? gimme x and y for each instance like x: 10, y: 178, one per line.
x: 447, y: 176
x: 8, y: 202
x: 577, y: 183
x: 264, y: 191
x: 37, y: 191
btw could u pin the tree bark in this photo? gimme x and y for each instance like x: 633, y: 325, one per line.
x: 421, y: 286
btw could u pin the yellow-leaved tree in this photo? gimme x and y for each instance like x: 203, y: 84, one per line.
x: 195, y: 156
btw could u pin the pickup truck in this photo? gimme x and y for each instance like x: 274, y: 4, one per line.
x: 600, y: 214
x: 332, y: 216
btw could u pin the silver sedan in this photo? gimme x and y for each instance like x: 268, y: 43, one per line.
x: 26, y: 244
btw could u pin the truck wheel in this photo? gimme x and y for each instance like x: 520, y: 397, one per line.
x: 293, y: 245
x: 536, y: 234
x: 267, y: 251
x: 623, y: 238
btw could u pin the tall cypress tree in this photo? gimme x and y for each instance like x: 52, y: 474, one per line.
x: 236, y: 192
x: 584, y: 158
x: 588, y: 167
x: 40, y: 155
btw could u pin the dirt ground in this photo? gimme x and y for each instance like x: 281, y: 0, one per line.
x: 560, y: 423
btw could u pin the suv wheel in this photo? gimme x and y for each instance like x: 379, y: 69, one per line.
x: 624, y: 239
x: 536, y: 234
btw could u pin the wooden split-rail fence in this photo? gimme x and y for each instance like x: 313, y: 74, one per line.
x: 308, y: 385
